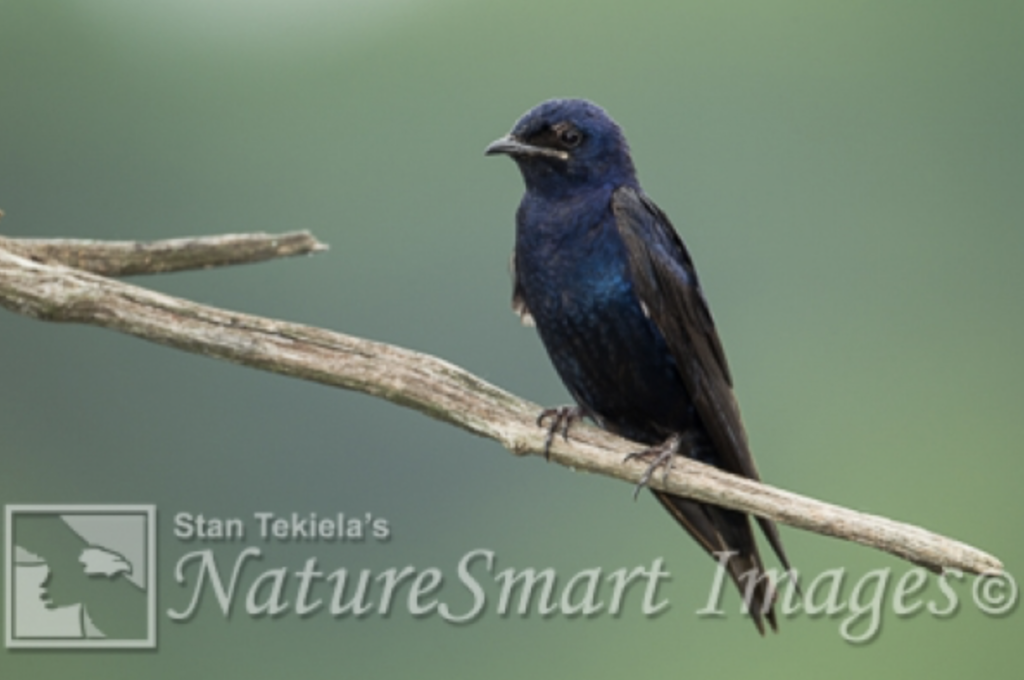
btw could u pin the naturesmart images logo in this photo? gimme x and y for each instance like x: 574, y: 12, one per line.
x: 84, y: 576
x: 80, y: 576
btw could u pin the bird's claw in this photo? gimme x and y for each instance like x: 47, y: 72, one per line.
x: 662, y: 457
x: 562, y: 418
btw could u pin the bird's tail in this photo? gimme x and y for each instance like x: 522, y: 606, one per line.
x: 729, y: 538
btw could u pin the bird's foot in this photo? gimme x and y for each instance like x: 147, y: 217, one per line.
x: 662, y: 455
x: 562, y: 419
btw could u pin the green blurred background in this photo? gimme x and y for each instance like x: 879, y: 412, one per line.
x: 848, y: 175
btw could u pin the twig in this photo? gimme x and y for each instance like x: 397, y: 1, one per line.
x: 128, y: 258
x: 54, y: 292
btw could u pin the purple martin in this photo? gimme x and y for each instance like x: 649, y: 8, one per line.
x: 603, y: 275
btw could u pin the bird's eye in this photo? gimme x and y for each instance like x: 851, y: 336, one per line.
x: 571, y: 137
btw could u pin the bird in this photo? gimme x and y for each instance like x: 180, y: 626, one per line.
x: 611, y: 288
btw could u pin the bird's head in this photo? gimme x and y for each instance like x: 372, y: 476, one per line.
x: 563, y: 145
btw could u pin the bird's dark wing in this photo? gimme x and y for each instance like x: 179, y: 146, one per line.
x: 666, y: 284
x: 518, y: 301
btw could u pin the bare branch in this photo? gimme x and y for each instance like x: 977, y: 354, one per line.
x: 128, y: 258
x: 428, y: 384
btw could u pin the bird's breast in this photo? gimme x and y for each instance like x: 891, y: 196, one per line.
x: 609, y: 354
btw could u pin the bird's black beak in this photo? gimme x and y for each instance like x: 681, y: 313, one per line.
x: 510, y: 146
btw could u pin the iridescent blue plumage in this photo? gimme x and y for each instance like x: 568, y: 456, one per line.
x: 618, y: 306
